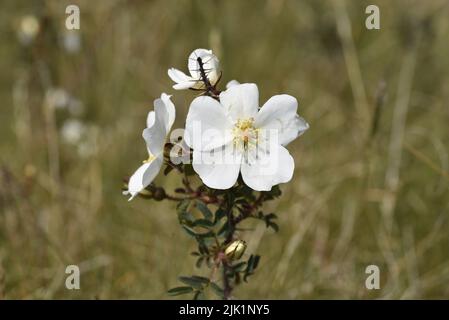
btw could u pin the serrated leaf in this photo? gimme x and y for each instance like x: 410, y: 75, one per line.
x: 179, y: 290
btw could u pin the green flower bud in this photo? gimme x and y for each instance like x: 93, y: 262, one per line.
x: 235, y: 250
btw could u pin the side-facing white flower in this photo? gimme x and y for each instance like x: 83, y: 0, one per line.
x: 159, y: 123
x: 210, y: 66
x: 234, y: 135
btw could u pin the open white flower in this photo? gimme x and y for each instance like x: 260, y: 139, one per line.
x: 234, y: 135
x: 210, y: 66
x: 159, y: 123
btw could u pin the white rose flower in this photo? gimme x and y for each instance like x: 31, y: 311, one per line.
x: 234, y: 135
x: 210, y: 66
x: 159, y: 123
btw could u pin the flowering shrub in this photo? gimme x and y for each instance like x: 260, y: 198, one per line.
x: 238, y: 152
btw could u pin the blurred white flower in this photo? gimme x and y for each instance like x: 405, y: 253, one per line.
x: 159, y: 123
x: 210, y: 66
x: 71, y: 41
x: 57, y: 98
x: 233, y: 136
x: 28, y: 29
x: 72, y: 131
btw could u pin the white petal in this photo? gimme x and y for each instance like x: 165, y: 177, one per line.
x: 241, y: 101
x: 182, y: 80
x: 231, y: 83
x: 207, y: 126
x: 144, y: 176
x: 184, y: 85
x: 263, y: 169
x: 210, y: 65
x: 279, y: 113
x: 155, y: 136
x: 218, y: 169
x: 150, y: 119
x: 165, y: 110
x: 170, y: 109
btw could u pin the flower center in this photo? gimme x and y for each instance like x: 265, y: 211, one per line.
x: 245, y: 134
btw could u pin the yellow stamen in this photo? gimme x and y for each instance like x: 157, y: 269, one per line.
x: 245, y: 135
x: 150, y: 158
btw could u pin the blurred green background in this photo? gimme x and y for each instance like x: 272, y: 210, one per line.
x: 371, y: 178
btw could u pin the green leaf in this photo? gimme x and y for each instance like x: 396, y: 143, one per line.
x: 219, y: 214
x: 217, y: 290
x: 274, y: 193
x: 189, y: 230
x: 179, y: 290
x: 223, y: 230
x: 253, y: 262
x: 239, y: 266
x: 183, y: 206
x: 199, y: 262
x: 201, y: 279
x: 202, y: 247
x: 199, y: 295
x: 195, y: 282
x: 256, y: 261
x: 204, y: 210
x: 194, y: 233
x: 203, y: 223
x: 271, y: 216
x: 273, y: 226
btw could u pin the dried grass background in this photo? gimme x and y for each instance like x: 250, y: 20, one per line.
x: 371, y: 183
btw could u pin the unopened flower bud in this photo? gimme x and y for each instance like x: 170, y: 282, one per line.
x: 235, y: 250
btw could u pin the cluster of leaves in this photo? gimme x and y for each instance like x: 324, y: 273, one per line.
x: 212, y: 218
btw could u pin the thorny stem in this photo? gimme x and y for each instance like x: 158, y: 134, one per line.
x: 232, y: 224
x: 227, y: 289
x: 207, y: 199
